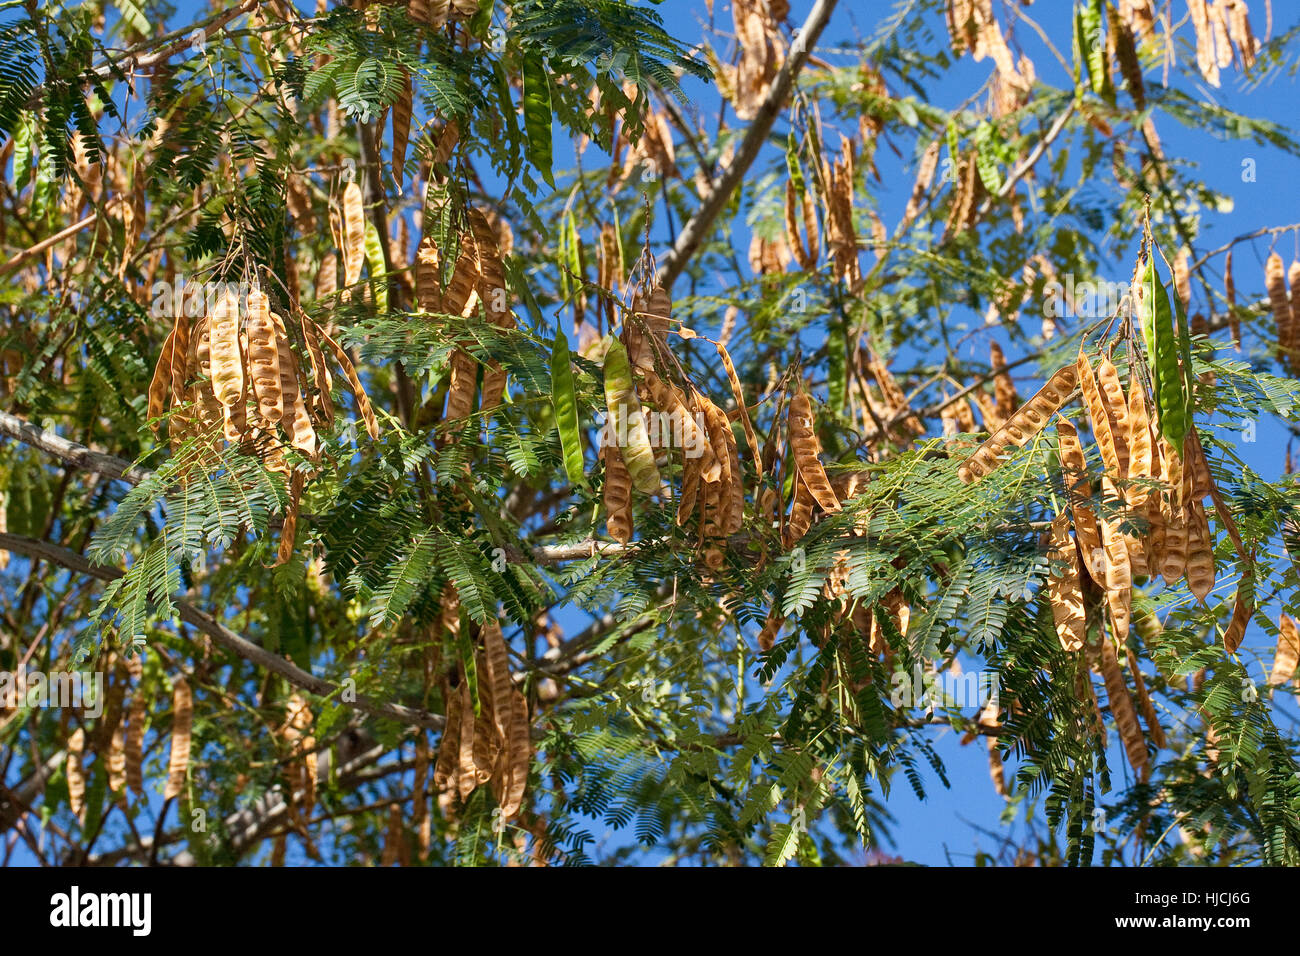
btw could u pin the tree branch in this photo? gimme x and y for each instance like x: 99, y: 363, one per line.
x: 44, y: 550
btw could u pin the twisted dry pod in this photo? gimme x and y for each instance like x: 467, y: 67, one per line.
x: 75, y: 772
x: 1236, y: 629
x: 297, y: 422
x: 805, y: 450
x: 1004, y: 389
x: 696, y: 446
x: 1145, y: 704
x: 1064, y: 588
x: 1022, y: 426
x: 801, y: 510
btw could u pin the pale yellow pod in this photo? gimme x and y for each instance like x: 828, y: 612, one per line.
x: 117, y: 760
x: 467, y: 770
x: 354, y: 233
x: 1079, y: 490
x: 1275, y: 281
x: 264, y: 359
x: 1176, y: 541
x: 1064, y: 589
x: 1288, y: 652
x: 1097, y: 413
x: 806, y: 451
x: 224, y: 346
x: 75, y: 772
x: 297, y: 423
x: 178, y: 763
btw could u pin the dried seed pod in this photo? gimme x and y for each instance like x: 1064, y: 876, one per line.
x: 178, y: 763
x: 1200, y: 552
x: 1288, y: 652
x: 1176, y: 543
x: 924, y: 177
x: 264, y: 359
x: 1022, y: 426
x: 134, y: 745
x: 354, y: 234
x: 732, y: 493
x: 1197, y: 480
x: 297, y: 423
x: 226, y: 356
x: 466, y: 769
x: 618, y: 495
x: 1098, y: 415
x: 1119, y: 577
x: 446, y: 767
x: 354, y: 383
x: 695, y: 444
x: 75, y: 773
x: 793, y: 240
x: 1275, y: 280
x: 805, y: 451
x: 691, y: 479
x: 1205, y: 59
x: 1121, y: 708
x: 738, y: 394
x: 1183, y: 278
x: 1112, y: 396
x: 518, y: 755
x: 1140, y: 449
x: 1075, y: 472
x: 289, y: 531
x: 1240, y: 32
x: 1230, y: 294
x: 1145, y: 704
x: 1004, y: 389
x: 1064, y: 587
x: 117, y: 760
x: 801, y: 510
x: 1241, y: 611
x: 996, y: 772
x: 771, y: 628
x: 160, y: 385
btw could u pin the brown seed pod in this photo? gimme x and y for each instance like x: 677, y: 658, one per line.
x: 354, y: 234
x: 178, y: 763
x: 1112, y: 396
x: 1275, y: 280
x: 806, y: 450
x: 924, y: 177
x: 354, y: 383
x: 518, y: 755
x: 226, y: 356
x: 771, y: 628
x: 1145, y: 704
x: 1200, y: 552
x: 738, y: 394
x: 1288, y: 652
x: 1174, y: 564
x: 134, y: 745
x: 297, y: 422
x: 446, y: 767
x: 1140, y: 448
x: 731, y: 496
x: 289, y: 531
x: 792, y: 237
x: 1197, y: 481
x: 467, y: 770
x: 695, y: 443
x: 1022, y: 426
x: 1240, y: 32
x: 1121, y: 708
x: 1075, y: 472
x: 1004, y: 389
x: 1205, y: 59
x: 161, y: 384
x: 1064, y: 587
x: 1119, y: 577
x: 264, y: 359
x: 801, y: 510
x: 1236, y: 629
x: 1098, y: 415
x: 996, y: 772
x: 618, y: 495
x: 1230, y: 294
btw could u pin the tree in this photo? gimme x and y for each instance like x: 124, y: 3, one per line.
x: 437, y: 433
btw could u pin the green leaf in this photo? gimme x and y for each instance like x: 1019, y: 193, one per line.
x: 566, y: 408
x: 537, y: 114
